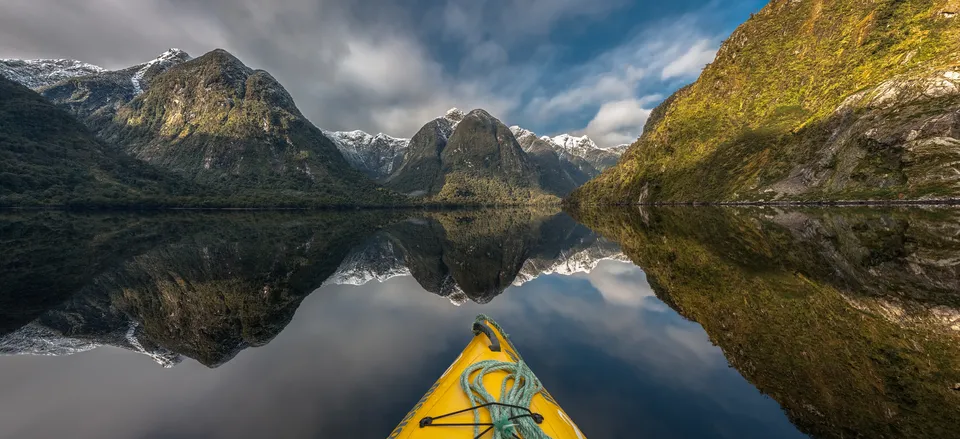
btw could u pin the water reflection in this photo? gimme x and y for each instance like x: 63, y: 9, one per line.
x: 847, y: 318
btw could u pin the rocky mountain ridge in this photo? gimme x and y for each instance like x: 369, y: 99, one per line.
x: 570, y: 147
x: 379, y: 156
x: 241, y: 129
x: 95, y: 98
x: 374, y: 155
x: 38, y: 73
x: 468, y: 159
x: 230, y: 129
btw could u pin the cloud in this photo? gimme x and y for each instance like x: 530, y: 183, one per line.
x: 622, y: 284
x: 590, y: 90
x: 390, y: 66
x: 614, y: 93
x: 507, y: 21
x: 692, y: 62
x: 618, y: 122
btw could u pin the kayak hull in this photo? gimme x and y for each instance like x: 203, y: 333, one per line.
x: 446, y: 396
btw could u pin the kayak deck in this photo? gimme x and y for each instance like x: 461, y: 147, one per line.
x: 447, y: 403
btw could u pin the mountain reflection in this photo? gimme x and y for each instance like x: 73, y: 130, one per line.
x: 849, y: 318
x: 208, y: 286
x: 476, y: 255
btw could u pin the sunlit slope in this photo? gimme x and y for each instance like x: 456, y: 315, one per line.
x: 809, y: 100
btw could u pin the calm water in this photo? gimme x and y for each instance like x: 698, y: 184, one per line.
x: 671, y: 323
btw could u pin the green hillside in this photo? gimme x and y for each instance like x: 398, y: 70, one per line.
x: 809, y: 100
x: 237, y: 131
x: 48, y: 158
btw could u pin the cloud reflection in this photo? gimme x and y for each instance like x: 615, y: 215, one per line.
x: 355, y: 358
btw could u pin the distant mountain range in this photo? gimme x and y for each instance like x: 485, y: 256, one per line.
x: 209, y: 287
x: 237, y: 136
x: 565, y: 162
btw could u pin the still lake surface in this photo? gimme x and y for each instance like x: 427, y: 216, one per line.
x: 663, y: 323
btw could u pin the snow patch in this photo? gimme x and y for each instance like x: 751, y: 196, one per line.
x: 455, y: 116
x: 36, y: 339
x: 165, y: 59
x: 163, y: 357
x: 376, y: 155
x: 38, y: 73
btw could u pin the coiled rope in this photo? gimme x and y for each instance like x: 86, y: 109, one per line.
x: 516, y: 392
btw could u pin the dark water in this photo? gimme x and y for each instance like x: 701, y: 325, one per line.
x: 670, y: 323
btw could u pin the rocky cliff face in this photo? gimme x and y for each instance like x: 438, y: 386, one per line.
x: 808, y: 100
x: 419, y: 172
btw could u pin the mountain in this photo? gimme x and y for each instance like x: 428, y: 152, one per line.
x: 233, y: 131
x: 584, y: 148
x: 49, y: 158
x: 38, y: 73
x: 472, y: 158
x: 475, y: 256
x: 376, y: 156
x: 809, y: 100
x: 418, y: 172
x: 218, y: 122
x: 95, y: 98
x: 566, y: 162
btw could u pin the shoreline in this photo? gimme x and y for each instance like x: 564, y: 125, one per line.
x: 831, y: 203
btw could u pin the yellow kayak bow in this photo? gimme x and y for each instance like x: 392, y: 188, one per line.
x: 488, y: 392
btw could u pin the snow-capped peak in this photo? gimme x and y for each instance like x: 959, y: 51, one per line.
x: 166, y: 59
x: 374, y: 155
x: 574, y: 144
x: 172, y: 53
x: 454, y: 115
x: 521, y: 133
x: 37, y: 73
x: 619, y: 149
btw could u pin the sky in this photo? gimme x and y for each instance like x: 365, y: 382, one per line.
x: 595, y: 67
